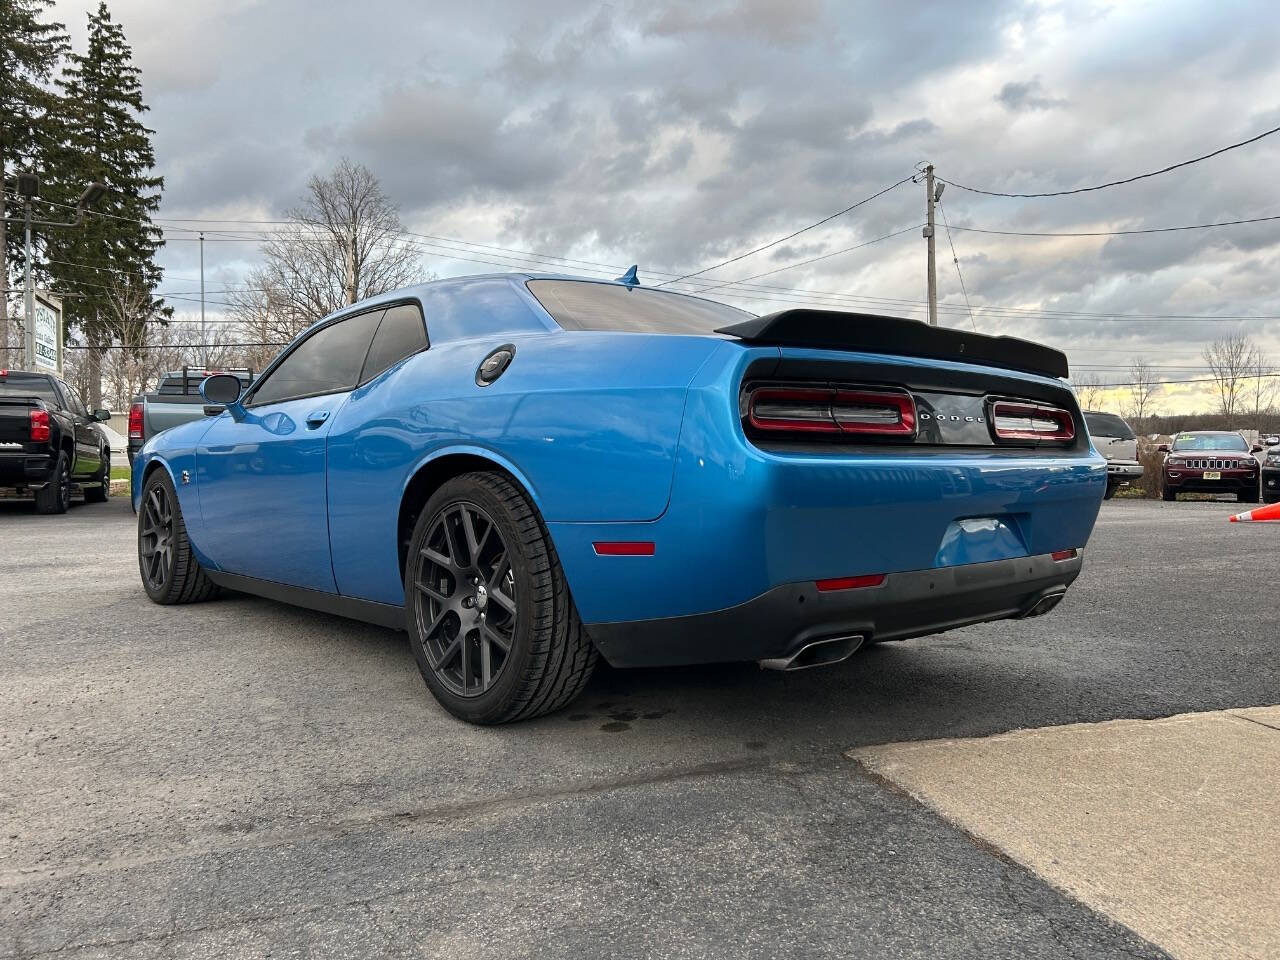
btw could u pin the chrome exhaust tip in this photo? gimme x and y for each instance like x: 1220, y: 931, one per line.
x: 1044, y: 604
x: 818, y: 653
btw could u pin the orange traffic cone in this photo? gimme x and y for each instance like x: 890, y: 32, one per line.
x: 1267, y: 514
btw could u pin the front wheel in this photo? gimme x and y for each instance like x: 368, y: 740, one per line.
x: 490, y: 620
x: 170, y: 572
x: 1169, y: 495
x: 1111, y: 491
x: 1245, y: 497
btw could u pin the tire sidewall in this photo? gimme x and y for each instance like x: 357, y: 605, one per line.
x: 494, y: 702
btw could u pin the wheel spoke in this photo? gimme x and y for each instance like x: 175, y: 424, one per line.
x: 448, y: 653
x: 436, y: 557
x: 486, y: 663
x: 435, y: 624
x: 430, y: 591
x: 499, y: 570
x: 466, y: 662
x: 494, y: 637
x: 451, y: 533
x: 503, y: 601
x: 469, y: 532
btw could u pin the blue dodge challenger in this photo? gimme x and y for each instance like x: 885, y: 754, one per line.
x: 530, y: 472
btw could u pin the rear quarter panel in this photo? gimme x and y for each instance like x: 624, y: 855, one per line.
x: 589, y: 422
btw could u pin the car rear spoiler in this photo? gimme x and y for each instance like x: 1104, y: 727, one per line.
x: 871, y: 333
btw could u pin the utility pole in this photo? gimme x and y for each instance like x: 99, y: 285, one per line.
x: 28, y: 190
x: 204, y: 334
x: 928, y: 235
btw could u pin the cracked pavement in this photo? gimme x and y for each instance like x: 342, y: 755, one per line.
x: 244, y: 779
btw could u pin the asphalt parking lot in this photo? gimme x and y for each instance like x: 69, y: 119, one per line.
x: 244, y: 779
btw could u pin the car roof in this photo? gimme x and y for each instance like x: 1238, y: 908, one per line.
x: 458, y: 287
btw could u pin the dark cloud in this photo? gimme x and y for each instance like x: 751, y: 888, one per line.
x: 1027, y: 95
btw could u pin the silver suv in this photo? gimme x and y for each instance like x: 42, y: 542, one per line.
x: 1115, y: 440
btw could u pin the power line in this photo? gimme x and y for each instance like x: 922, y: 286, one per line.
x: 956, y: 260
x: 1116, y: 183
x: 801, y: 263
x: 1119, y: 233
x: 790, y: 236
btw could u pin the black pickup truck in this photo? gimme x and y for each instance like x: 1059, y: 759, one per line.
x: 49, y: 444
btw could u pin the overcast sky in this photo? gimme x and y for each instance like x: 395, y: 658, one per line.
x: 677, y: 135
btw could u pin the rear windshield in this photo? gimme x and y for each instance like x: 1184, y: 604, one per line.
x: 1107, y: 425
x: 1211, y: 441
x: 29, y: 387
x: 583, y: 305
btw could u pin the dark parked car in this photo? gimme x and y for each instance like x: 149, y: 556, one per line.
x: 49, y: 444
x: 1271, y: 471
x: 1211, y: 461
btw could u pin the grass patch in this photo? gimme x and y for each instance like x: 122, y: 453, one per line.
x: 119, y: 473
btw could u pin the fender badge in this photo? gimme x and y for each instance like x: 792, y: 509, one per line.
x: 186, y: 477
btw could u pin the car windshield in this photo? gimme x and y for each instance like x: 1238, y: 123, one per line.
x: 1107, y: 425
x: 583, y: 305
x: 1210, y: 441
x: 28, y: 387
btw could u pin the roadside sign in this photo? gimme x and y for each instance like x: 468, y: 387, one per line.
x: 48, y: 331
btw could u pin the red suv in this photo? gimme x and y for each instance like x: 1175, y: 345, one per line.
x: 1211, y: 461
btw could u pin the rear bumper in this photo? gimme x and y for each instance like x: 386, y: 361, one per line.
x: 778, y: 622
x: 23, y: 469
x: 1123, y: 469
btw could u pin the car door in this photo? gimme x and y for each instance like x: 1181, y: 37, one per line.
x: 261, y: 476
x: 371, y: 448
x: 88, y: 451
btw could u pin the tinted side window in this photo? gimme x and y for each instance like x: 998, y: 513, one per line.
x: 400, y: 334
x: 326, y: 362
x: 73, y: 400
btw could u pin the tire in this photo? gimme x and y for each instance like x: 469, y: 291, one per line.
x: 1243, y: 497
x: 482, y: 572
x: 101, y: 491
x: 1271, y: 498
x: 1169, y: 495
x: 1111, y: 491
x: 169, y: 570
x: 55, y: 496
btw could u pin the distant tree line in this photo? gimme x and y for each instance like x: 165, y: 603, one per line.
x: 73, y: 118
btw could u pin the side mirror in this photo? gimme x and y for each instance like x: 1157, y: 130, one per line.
x: 1256, y: 448
x: 1163, y: 448
x: 223, y: 389
x: 102, y: 414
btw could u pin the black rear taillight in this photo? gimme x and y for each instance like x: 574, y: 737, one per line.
x: 1017, y: 421
x: 831, y: 410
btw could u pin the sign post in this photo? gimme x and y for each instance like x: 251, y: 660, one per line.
x: 47, y: 329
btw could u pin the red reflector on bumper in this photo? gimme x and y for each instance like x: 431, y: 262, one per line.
x: 849, y: 583
x: 624, y: 548
x: 1060, y: 555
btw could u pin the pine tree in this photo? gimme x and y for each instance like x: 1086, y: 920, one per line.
x: 29, y: 51
x: 107, y: 270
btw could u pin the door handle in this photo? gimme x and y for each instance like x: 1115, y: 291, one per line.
x: 316, y: 418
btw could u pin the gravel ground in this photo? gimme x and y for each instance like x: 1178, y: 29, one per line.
x: 244, y: 779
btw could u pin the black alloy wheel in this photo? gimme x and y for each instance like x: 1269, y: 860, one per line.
x: 466, y: 608
x: 491, y: 623
x: 170, y: 571
x: 155, y: 538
